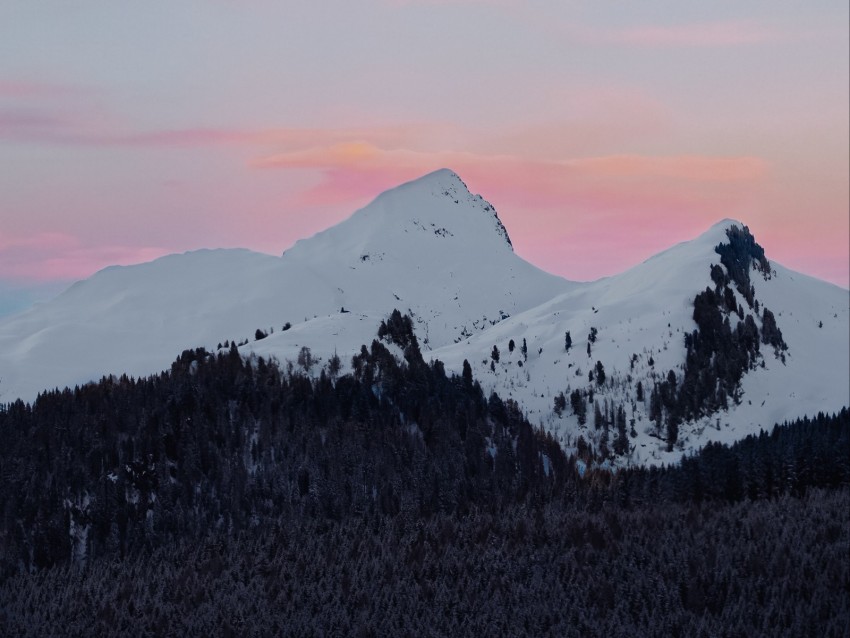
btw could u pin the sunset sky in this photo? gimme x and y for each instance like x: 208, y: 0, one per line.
x: 602, y: 132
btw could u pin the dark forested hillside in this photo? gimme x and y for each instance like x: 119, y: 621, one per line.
x: 219, y: 443
x: 230, y: 496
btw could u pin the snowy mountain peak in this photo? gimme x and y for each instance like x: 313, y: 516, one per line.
x: 440, y: 178
x: 434, y: 216
x: 438, y: 192
x: 698, y: 253
x: 718, y: 232
x: 725, y: 224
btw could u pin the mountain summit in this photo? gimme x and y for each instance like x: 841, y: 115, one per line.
x: 708, y: 340
x: 436, y: 207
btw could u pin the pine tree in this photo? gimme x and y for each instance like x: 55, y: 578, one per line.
x: 621, y: 443
x: 672, y: 431
x: 334, y: 366
x: 579, y: 406
x: 598, y: 419
x: 655, y: 410
x: 467, y: 374
x: 305, y: 358
x: 560, y: 403
x: 600, y: 373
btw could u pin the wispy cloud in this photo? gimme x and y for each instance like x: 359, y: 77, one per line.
x: 698, y: 168
x: 495, y: 3
x: 25, y: 122
x: 62, y: 257
x: 363, y: 156
x: 29, y: 89
x: 286, y: 138
x: 34, y: 125
x: 709, y: 34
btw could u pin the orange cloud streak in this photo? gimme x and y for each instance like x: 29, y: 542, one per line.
x: 549, y: 182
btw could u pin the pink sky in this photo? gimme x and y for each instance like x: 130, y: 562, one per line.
x: 601, y: 137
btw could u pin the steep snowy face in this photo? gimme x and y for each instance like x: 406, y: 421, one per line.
x: 429, y: 248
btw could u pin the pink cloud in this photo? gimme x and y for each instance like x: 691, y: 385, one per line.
x: 39, y: 126
x: 688, y: 167
x: 23, y: 123
x: 36, y: 125
x: 496, y: 3
x: 606, y: 123
x: 57, y: 256
x: 280, y: 137
x: 711, y: 34
x: 29, y: 89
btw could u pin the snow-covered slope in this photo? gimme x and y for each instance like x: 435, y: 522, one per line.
x: 641, y: 317
x: 428, y: 248
x: 437, y: 252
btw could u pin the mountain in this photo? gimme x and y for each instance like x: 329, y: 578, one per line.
x: 640, y: 319
x: 721, y: 340
x: 429, y: 248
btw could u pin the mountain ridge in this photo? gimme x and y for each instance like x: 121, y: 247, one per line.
x: 440, y: 254
x: 443, y: 259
